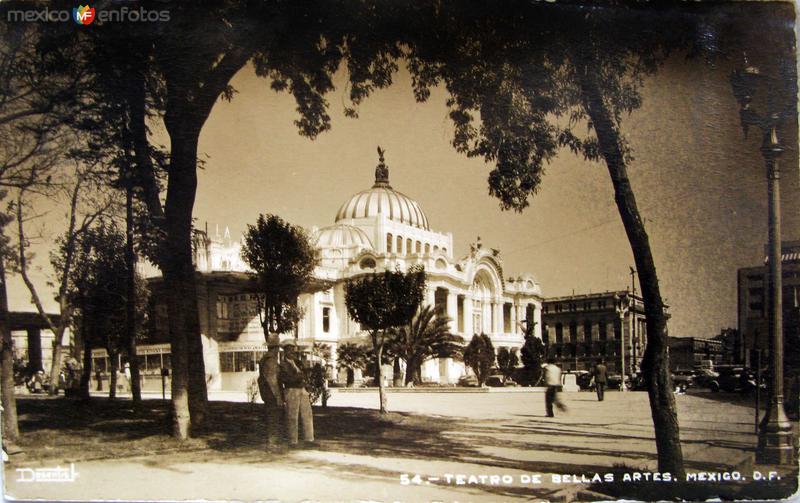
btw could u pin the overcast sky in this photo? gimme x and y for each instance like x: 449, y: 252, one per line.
x: 700, y: 185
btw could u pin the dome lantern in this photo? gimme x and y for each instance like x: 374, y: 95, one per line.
x: 381, y: 171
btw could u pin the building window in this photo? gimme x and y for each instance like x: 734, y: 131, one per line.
x: 587, y: 330
x: 419, y: 247
x: 399, y: 249
x: 559, y: 334
x: 529, y: 312
x: 617, y: 329
x: 326, y: 319
x: 573, y: 331
x: 444, y: 250
x: 602, y: 331
x: 226, y: 362
x: 409, y: 245
x: 507, y: 318
x: 427, y: 248
x: 435, y: 248
x: 389, y: 242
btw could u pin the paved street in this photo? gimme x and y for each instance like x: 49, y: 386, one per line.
x: 480, y: 434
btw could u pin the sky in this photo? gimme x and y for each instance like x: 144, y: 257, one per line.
x: 700, y: 185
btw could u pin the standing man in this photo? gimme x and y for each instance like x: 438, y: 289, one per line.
x: 600, y: 378
x: 552, y: 377
x: 298, y: 403
x: 272, y: 396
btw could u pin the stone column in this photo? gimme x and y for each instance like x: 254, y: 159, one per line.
x: 452, y: 310
x: 468, y: 330
x: 34, y: 350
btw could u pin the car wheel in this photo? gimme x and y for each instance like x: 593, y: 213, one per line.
x: 714, y: 387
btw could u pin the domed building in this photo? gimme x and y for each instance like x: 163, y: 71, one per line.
x: 374, y: 230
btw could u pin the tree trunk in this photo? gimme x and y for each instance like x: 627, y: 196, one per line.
x: 655, y: 365
x: 55, y: 365
x: 410, y: 368
x: 9, y: 402
x: 130, y: 302
x: 397, y: 374
x: 379, y: 376
x: 113, y: 370
x: 86, y: 374
x: 189, y: 399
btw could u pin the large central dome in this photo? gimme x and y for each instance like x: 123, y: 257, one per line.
x: 382, y: 199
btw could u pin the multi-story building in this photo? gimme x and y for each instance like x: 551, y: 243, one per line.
x: 753, y: 307
x: 686, y: 353
x: 376, y: 229
x: 580, y: 329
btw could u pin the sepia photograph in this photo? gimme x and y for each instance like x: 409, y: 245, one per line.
x: 399, y: 250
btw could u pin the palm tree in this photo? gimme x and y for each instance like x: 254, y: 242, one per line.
x: 351, y: 357
x: 427, y: 336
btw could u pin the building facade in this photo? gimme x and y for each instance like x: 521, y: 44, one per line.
x: 687, y: 353
x: 580, y: 329
x: 374, y: 230
x: 753, y: 307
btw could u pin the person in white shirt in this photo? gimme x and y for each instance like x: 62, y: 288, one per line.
x: 552, y: 377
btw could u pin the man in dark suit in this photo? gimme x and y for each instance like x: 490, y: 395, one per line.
x: 600, y: 378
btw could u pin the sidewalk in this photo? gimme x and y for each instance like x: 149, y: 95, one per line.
x: 428, y: 452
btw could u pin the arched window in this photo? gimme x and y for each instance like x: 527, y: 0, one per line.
x: 427, y: 248
x: 435, y: 248
x: 388, y: 243
x: 399, y: 245
x: 419, y: 247
x: 409, y: 245
x: 444, y: 250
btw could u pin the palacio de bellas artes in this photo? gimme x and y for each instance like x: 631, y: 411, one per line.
x: 399, y: 251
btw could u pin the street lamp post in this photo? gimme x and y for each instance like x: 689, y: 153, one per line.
x: 775, y: 442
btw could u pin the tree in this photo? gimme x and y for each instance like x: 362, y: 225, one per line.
x: 101, y: 297
x: 507, y: 362
x: 351, y: 357
x: 283, y: 259
x: 85, y: 202
x: 298, y: 54
x: 536, y: 73
x: 380, y: 302
x: 479, y: 356
x: 533, y: 353
x: 427, y: 336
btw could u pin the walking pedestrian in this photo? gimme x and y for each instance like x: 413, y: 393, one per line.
x: 272, y: 396
x: 600, y: 378
x: 298, y: 403
x: 552, y: 377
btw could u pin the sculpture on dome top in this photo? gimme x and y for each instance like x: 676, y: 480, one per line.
x: 381, y: 171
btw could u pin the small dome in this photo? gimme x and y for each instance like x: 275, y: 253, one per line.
x: 342, y: 236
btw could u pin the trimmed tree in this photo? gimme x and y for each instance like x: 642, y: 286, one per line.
x: 351, y: 357
x: 479, y: 356
x: 381, y: 302
x: 427, y: 336
x: 533, y: 353
x: 507, y: 362
x: 283, y: 258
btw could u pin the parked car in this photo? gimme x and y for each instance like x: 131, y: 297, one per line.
x: 468, y: 380
x: 734, y: 379
x: 584, y: 381
x: 704, y: 377
x: 496, y: 381
x: 614, y: 381
x: 683, y: 379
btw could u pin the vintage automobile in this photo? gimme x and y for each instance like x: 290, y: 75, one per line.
x: 496, y: 381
